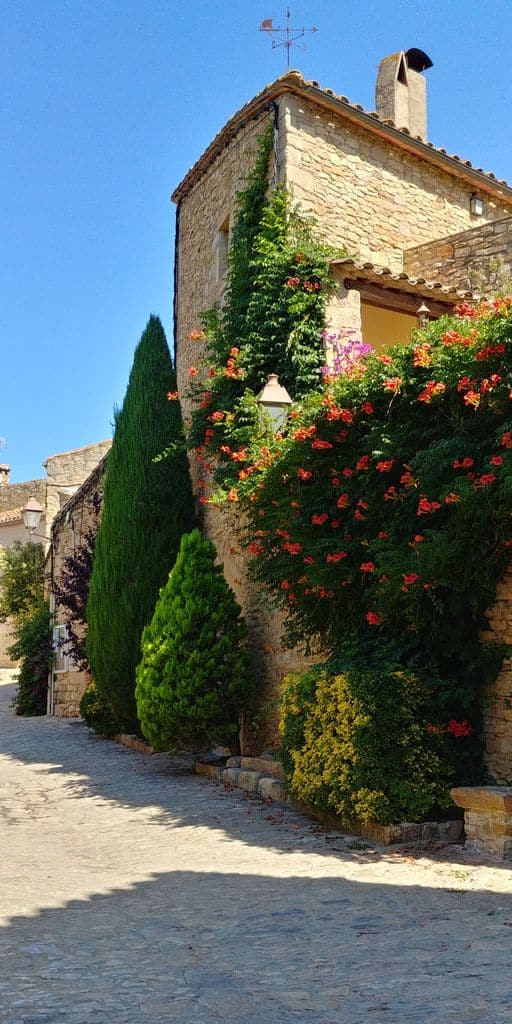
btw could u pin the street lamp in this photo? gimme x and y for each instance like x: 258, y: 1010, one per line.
x: 274, y: 401
x: 476, y: 205
x: 423, y: 315
x: 32, y: 515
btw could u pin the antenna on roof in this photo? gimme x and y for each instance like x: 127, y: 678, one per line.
x: 290, y: 40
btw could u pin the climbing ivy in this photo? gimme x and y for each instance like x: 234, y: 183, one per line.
x: 270, y: 322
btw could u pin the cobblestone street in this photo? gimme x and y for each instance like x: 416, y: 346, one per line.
x: 133, y: 893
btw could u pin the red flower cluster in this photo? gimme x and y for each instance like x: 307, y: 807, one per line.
x: 490, y: 350
x: 292, y: 549
x: 425, y: 506
x: 392, y: 384
x: 459, y: 728
x: 321, y: 445
x: 432, y: 390
x: 337, y: 556
x: 373, y: 619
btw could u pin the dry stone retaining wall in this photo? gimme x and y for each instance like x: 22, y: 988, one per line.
x: 479, y: 259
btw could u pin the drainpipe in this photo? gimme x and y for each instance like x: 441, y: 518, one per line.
x: 175, y: 296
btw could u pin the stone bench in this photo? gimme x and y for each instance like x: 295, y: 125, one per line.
x: 487, y: 818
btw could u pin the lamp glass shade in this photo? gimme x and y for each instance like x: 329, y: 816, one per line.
x: 423, y: 315
x: 476, y: 205
x: 274, y: 402
x: 32, y: 514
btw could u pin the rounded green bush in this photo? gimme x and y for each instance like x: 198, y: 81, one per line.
x: 194, y: 679
x: 98, y: 713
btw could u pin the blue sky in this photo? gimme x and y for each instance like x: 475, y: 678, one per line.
x: 105, y: 104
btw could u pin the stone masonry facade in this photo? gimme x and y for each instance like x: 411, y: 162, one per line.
x: 376, y: 194
x: 480, y: 259
x: 71, y: 526
x: 366, y: 195
x: 67, y: 471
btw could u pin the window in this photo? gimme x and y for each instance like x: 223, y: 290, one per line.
x: 61, y: 660
x: 222, y: 250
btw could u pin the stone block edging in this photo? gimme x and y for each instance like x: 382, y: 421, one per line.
x: 487, y: 818
x: 238, y: 773
x: 135, y: 742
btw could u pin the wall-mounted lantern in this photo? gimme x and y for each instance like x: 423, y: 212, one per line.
x: 423, y: 315
x: 32, y: 515
x: 274, y: 401
x: 476, y: 205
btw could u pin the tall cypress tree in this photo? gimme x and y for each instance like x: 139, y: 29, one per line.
x: 147, y: 507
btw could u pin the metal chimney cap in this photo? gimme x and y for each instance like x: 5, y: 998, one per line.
x: 418, y: 60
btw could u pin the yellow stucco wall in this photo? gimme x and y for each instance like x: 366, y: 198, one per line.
x: 384, y: 327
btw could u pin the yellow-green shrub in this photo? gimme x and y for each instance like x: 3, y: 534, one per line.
x: 357, y: 744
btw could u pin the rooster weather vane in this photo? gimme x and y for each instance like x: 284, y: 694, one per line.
x: 290, y: 40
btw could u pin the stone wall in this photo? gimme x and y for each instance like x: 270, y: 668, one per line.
x: 16, y: 495
x: 71, y: 525
x: 498, y: 696
x: 480, y: 259
x: 202, y: 214
x: 366, y: 194
x: 369, y: 197
x: 67, y: 471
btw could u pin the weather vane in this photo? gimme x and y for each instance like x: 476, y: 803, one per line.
x: 290, y: 40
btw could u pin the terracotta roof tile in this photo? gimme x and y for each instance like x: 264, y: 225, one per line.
x: 13, y: 515
x: 383, y: 275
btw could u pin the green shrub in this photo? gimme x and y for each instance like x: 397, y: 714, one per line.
x: 33, y: 648
x: 22, y: 579
x: 98, y: 713
x: 193, y: 681
x: 147, y: 506
x: 358, y: 744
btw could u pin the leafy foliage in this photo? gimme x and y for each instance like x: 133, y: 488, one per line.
x: 194, y: 678
x: 33, y: 648
x: 71, y: 591
x: 147, y: 507
x: 382, y: 521
x: 98, y: 713
x: 22, y: 579
x: 22, y: 601
x: 270, y: 321
x: 354, y: 744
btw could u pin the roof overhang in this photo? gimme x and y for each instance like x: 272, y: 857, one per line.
x: 382, y: 287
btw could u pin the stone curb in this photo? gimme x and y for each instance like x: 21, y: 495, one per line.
x: 134, y: 742
x: 271, y: 788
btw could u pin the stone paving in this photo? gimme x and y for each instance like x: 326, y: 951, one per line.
x: 132, y: 892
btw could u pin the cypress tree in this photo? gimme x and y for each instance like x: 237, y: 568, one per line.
x: 194, y: 678
x: 147, y: 507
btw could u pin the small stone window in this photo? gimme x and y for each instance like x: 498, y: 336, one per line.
x: 222, y: 250
x: 60, y: 638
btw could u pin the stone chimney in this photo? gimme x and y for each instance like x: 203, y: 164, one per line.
x: 4, y: 474
x: 401, y: 90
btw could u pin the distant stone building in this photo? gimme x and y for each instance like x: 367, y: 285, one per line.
x: 420, y: 225
x: 65, y: 472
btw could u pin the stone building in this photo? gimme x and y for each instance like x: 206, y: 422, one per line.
x: 65, y: 472
x: 73, y: 525
x: 420, y: 225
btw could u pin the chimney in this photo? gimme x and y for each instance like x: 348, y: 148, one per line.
x: 4, y: 474
x: 401, y: 90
